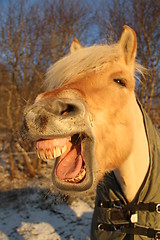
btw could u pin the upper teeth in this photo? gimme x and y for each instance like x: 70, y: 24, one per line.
x: 57, y: 152
x: 48, y: 154
x: 64, y: 149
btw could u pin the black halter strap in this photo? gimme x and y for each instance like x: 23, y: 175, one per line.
x: 123, y: 218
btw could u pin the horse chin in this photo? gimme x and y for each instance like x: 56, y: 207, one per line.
x: 73, y: 159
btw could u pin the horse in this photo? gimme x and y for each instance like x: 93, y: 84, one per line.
x: 93, y: 128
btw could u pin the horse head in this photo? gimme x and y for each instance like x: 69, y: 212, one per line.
x: 82, y: 121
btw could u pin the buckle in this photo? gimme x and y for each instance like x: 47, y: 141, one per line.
x: 134, y: 218
x: 110, y: 227
x: 118, y: 216
x: 158, y: 208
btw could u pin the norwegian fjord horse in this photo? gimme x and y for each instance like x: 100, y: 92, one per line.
x: 91, y: 126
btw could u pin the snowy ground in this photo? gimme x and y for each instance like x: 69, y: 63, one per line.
x: 31, y: 214
x: 30, y: 211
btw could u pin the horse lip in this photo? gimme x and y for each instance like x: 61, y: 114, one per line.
x: 87, y: 182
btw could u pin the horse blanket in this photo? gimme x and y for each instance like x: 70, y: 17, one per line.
x: 114, y: 217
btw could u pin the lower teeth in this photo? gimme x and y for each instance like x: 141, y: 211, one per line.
x: 77, y: 179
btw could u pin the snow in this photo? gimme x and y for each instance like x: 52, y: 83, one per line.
x: 30, y: 210
x: 30, y: 214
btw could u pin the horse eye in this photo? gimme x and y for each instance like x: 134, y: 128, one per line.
x: 120, y: 82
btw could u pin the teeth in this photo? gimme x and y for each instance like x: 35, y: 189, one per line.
x: 38, y: 154
x: 57, y: 152
x: 64, y: 149
x: 42, y: 155
x: 79, y: 178
x: 49, y: 154
x: 81, y: 175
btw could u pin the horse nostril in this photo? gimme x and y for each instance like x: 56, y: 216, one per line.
x: 68, y: 109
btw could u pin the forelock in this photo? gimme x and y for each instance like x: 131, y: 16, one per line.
x: 82, y: 61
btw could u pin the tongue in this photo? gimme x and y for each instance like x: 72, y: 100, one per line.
x: 69, y: 166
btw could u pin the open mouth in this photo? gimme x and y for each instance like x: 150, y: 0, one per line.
x: 68, y: 151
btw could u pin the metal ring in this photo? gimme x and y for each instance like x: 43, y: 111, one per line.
x: 158, y: 208
x: 157, y: 236
x: 100, y: 227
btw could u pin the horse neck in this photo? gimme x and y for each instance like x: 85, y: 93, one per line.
x: 132, y: 172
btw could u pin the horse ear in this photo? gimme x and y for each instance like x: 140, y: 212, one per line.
x: 75, y: 45
x: 128, y: 41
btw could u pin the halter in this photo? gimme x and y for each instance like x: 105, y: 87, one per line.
x: 123, y: 218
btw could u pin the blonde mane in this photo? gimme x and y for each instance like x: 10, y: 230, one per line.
x: 83, y: 61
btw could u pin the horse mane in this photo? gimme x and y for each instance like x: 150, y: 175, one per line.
x: 82, y: 61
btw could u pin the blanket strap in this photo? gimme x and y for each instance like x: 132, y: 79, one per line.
x: 124, y: 218
x: 151, y: 207
x: 136, y: 230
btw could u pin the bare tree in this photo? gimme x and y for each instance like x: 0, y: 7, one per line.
x: 33, y: 36
x: 143, y: 16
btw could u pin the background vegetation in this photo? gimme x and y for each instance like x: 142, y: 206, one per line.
x: 35, y: 34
